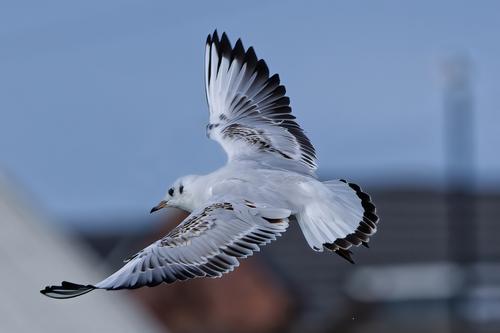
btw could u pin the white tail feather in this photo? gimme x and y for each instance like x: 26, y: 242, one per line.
x: 337, y: 217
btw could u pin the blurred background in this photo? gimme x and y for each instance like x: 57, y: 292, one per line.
x: 102, y: 106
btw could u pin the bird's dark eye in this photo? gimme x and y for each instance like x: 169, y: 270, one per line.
x: 181, y: 189
x: 171, y: 191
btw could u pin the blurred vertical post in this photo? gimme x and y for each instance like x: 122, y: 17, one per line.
x: 460, y: 178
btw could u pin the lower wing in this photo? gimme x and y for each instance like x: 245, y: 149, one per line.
x: 208, y: 243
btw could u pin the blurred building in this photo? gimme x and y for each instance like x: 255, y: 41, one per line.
x: 33, y: 256
x: 403, y: 283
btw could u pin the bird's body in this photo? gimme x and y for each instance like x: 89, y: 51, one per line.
x: 252, y: 181
x: 268, y: 183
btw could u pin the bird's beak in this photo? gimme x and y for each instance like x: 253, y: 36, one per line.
x: 161, y: 205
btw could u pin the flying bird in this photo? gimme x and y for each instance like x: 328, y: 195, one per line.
x: 268, y: 182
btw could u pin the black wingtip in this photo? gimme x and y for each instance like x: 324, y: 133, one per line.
x: 251, y: 56
x: 239, y: 45
x: 225, y: 46
x: 66, y: 290
x: 238, y: 51
x: 215, y: 36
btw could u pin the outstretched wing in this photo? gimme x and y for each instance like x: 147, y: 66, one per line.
x: 208, y: 242
x: 250, y: 115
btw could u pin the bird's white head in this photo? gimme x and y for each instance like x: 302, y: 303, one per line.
x: 180, y: 195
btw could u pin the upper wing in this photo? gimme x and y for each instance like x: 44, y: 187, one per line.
x: 250, y: 116
x: 207, y: 243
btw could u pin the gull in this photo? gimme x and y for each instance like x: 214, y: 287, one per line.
x: 268, y: 182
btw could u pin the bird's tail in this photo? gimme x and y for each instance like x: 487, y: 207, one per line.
x: 67, y: 290
x: 343, y: 216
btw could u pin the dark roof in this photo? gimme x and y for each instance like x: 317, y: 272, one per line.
x: 414, y: 227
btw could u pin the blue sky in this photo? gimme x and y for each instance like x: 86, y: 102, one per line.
x: 102, y: 103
